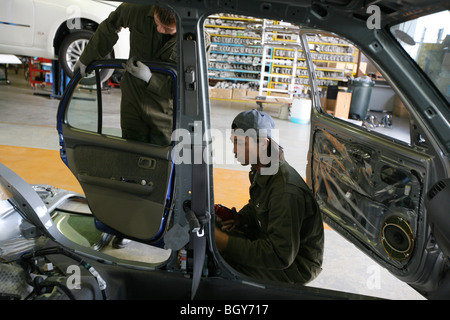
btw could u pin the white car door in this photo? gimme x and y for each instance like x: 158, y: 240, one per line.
x: 17, y: 22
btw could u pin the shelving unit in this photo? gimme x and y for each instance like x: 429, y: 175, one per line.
x: 334, y: 60
x: 236, y: 53
x: 267, y: 57
x: 282, y: 47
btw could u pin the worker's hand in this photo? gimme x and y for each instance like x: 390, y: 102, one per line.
x: 221, y: 239
x: 230, y: 224
x: 138, y: 69
x: 79, y: 66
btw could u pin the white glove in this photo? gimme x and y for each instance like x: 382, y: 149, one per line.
x: 79, y: 66
x: 138, y: 69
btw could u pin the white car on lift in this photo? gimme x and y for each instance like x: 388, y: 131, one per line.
x: 55, y: 29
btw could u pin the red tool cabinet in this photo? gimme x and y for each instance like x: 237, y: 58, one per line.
x: 40, y: 70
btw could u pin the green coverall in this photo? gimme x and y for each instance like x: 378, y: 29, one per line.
x: 281, y: 235
x: 146, y: 108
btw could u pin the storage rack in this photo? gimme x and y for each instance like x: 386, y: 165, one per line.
x: 235, y: 48
x: 280, y: 74
x: 268, y: 56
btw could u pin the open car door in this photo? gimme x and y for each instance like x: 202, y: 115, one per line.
x: 372, y: 189
x: 128, y: 184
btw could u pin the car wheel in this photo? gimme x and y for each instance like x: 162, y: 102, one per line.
x: 70, y: 51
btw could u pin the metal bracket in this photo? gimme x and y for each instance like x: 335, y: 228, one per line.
x: 190, y: 77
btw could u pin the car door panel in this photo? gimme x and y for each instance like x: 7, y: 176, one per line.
x: 370, y: 188
x: 127, y: 183
x: 126, y: 188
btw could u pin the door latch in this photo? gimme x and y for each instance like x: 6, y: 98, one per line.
x: 189, y: 78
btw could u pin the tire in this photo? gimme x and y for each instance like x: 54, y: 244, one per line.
x: 70, y: 51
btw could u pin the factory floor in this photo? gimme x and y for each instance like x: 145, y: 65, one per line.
x: 29, y: 146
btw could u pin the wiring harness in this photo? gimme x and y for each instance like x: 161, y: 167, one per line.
x: 39, y: 283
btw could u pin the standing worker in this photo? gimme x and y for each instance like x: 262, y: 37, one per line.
x: 146, y: 108
x: 147, y: 98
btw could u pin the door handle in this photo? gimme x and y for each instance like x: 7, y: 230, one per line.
x: 146, y: 163
x: 129, y: 187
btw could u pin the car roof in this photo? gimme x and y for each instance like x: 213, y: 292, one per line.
x: 319, y: 14
x: 392, y: 11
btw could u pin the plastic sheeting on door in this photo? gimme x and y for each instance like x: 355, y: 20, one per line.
x: 373, y: 196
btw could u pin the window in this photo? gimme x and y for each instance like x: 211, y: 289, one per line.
x: 260, y: 63
x: 427, y: 41
x: 96, y: 110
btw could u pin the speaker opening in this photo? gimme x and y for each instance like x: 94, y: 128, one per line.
x: 397, y: 238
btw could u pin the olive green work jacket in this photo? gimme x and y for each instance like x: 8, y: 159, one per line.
x: 146, y: 43
x: 282, y: 236
x: 151, y: 102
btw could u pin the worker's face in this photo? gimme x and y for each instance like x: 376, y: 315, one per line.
x: 241, y: 149
x: 164, y: 29
x: 246, y: 149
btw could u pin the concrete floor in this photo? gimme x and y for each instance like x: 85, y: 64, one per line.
x: 29, y: 145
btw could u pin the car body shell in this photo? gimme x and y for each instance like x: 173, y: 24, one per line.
x: 425, y: 268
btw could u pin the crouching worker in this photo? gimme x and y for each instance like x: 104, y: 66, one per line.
x: 278, y: 235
